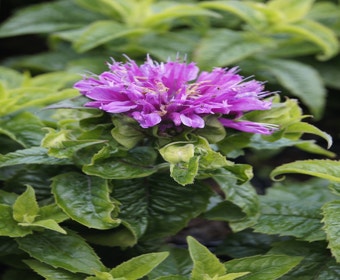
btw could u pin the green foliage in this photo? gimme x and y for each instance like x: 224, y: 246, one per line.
x: 86, y: 195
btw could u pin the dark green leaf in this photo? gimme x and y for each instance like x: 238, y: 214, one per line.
x: 331, y: 212
x: 33, y: 155
x: 46, y: 18
x: 69, y: 252
x: 85, y: 199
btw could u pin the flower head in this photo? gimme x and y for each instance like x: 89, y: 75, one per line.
x: 176, y: 94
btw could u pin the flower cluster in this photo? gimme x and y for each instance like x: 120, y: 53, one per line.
x: 176, y: 93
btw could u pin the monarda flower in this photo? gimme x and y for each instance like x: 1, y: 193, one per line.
x: 176, y: 93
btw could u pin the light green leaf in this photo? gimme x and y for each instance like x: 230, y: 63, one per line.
x: 35, y: 155
x: 326, y: 169
x: 227, y: 47
x: 101, y: 32
x: 8, y: 226
x: 313, y: 32
x: 55, y: 80
x: 176, y: 152
x: 243, y: 10
x: 10, y: 78
x: 51, y: 273
x: 69, y: 252
x: 301, y: 80
x: 184, y: 173
x: 126, y: 132
x: 291, y: 10
x: 46, y: 18
x: 302, y: 127
x: 138, y: 267
x: 25, y: 208
x: 331, y: 212
x: 85, y: 199
x: 263, y: 267
x: 205, y: 262
x: 47, y: 224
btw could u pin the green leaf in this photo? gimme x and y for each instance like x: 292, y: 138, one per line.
x: 331, y: 212
x: 7, y: 198
x: 313, y: 32
x: 69, y: 252
x: 205, y: 262
x: 317, y: 262
x: 55, y: 80
x: 240, y: 193
x: 46, y: 18
x: 243, y: 10
x: 263, y: 267
x: 24, y: 128
x: 8, y: 226
x: 85, y: 199
x: 35, y: 155
x: 101, y: 32
x: 156, y: 206
x: 112, y: 9
x: 300, y: 219
x: 184, y: 173
x: 227, y: 47
x: 291, y: 10
x: 126, y: 132
x: 138, y: 267
x: 51, y: 273
x: 302, y: 127
x: 46, y: 224
x: 137, y: 162
x: 25, y: 208
x: 326, y: 169
x: 10, y: 78
x: 301, y: 80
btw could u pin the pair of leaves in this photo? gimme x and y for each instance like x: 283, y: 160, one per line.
x: 24, y: 216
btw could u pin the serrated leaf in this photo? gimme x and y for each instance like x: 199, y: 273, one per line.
x: 8, y: 226
x: 326, y: 169
x: 101, y: 32
x: 51, y: 273
x: 46, y: 18
x: 205, y: 262
x: 156, y: 206
x: 227, y: 47
x: 316, y: 264
x: 25, y: 208
x: 301, y: 80
x: 35, y: 155
x: 69, y: 252
x: 138, y: 267
x: 85, y: 199
x: 331, y: 212
x: 263, y: 267
x: 301, y: 220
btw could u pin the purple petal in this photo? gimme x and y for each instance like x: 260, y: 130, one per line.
x: 194, y: 121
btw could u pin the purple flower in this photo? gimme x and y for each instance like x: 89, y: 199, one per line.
x: 175, y: 93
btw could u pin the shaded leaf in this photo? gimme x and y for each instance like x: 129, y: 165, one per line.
x: 58, y: 250
x: 85, y: 199
x: 331, y: 212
